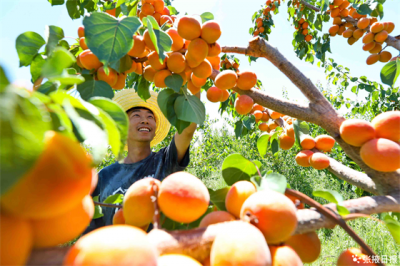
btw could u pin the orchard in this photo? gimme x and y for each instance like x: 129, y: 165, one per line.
x: 53, y: 140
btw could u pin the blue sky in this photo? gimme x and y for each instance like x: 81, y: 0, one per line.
x: 234, y: 16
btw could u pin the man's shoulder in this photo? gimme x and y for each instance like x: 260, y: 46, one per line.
x: 110, y: 169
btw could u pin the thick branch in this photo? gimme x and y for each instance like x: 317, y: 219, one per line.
x: 351, y: 176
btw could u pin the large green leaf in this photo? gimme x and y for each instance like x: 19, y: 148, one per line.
x: 123, y: 64
x: 28, y: 45
x: 47, y: 88
x: 390, y: 72
x: 166, y: 99
x: 262, y: 143
x: 36, y: 67
x: 174, y: 82
x: 93, y: 88
x: 273, y: 181
x: 334, y: 197
x: 57, y: 62
x: 142, y: 88
x: 217, y: 197
x: 73, y: 8
x: 301, y: 129
x: 161, y: 41
x: 21, y: 143
x: 189, y: 108
x: 53, y: 35
x: 109, y: 38
x: 393, y: 227
x: 236, y: 168
x: 60, y: 120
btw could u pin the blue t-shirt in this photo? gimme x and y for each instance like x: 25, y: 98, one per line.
x: 117, y: 178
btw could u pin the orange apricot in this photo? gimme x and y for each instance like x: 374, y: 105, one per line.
x: 304, y: 32
x: 237, y: 195
x: 285, y: 142
x: 324, y: 143
x: 276, y: 214
x: 176, y: 62
x: 210, y: 31
x: 387, y: 125
x: 149, y: 73
x: 369, y: 37
x: 252, y: 250
x: 166, y: 19
x: 344, y: 13
x: 246, y: 80
x: 351, y: 40
x: 216, y: 217
x: 272, y: 125
x: 333, y: 30
x: 190, y: 62
x: 372, y: 59
x: 353, y: 257
x: 225, y: 95
x: 198, y: 82
x: 258, y: 114
x: 363, y: 23
x: 275, y: 115
x: 177, y: 259
x: 263, y: 126
x: 16, y: 240
x: 344, y: 5
x: 89, y: 60
x: 243, y: 104
x: 158, y: 6
x: 284, y: 256
x: 159, y: 78
x: 198, y: 50
x: 60, y: 178
x: 307, y: 142
x: 111, y: 78
x: 81, y: 32
x: 258, y: 107
x: 308, y: 38
x: 376, y: 27
x: 389, y: 27
x: 118, y: 217
x: 337, y: 21
x: 82, y: 43
x: 177, y: 40
x: 138, y: 47
x: 265, y: 117
x: 139, y: 69
x: 165, y: 11
x: 78, y: 62
x: 335, y: 12
x: 226, y: 80
x: 193, y: 89
x: 214, y: 94
x: 147, y: 9
x: 204, y: 70
x: 183, y: 197
x: 369, y: 46
x: 385, y: 56
x: 113, y: 245
x: 347, y: 33
x: 337, y: 2
x: 121, y: 80
x: 303, y: 158
x: 154, y: 61
x: 133, y: 67
x: 138, y: 207
x: 296, y: 201
x: 214, y: 49
x: 189, y: 28
x: 357, y: 34
x: 215, y: 61
x: 148, y: 41
x: 356, y: 132
x: 381, y: 36
x: 307, y: 246
x: 377, y: 49
x: 319, y: 161
x: 305, y: 25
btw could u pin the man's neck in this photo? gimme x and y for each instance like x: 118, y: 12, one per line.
x: 137, y: 151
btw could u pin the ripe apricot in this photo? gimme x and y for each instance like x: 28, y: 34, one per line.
x: 159, y: 78
x: 111, y: 78
x: 272, y: 125
x: 369, y: 46
x: 276, y: 214
x: 89, y: 60
x: 263, y: 127
x: 183, y: 197
x: 265, y: 117
x: 166, y: 19
x: 226, y: 80
x: 344, y: 5
x: 307, y: 142
x: 113, y: 245
x: 369, y: 37
x: 351, y: 40
x: 387, y: 125
x: 333, y: 30
x: 118, y: 217
x: 353, y: 257
x: 324, y: 143
x: 189, y: 28
x: 381, y: 36
x: 177, y: 40
x: 363, y: 23
x: 216, y: 217
x: 319, y: 161
x: 303, y: 158
x: 258, y: 114
x: 214, y: 49
x: 356, y: 132
x: 210, y: 31
x: 198, y: 50
x: 198, y: 82
x: 225, y: 95
x: 308, y: 38
x: 120, y: 84
x: 376, y: 27
x: 243, y: 104
x: 158, y: 6
x: 305, y: 25
x: 204, y: 70
x: 215, y: 61
x: 301, y: 21
x: 154, y: 61
x: 357, y: 34
x: 337, y: 2
x: 296, y: 201
x: 193, y: 89
x: 385, y: 56
x: 284, y: 256
x: 275, y: 115
x: 214, y: 94
x: 192, y: 63
x: 307, y: 246
x: 149, y: 73
x: 344, y: 13
x: 16, y: 240
x: 138, y: 46
x: 133, y: 67
x: 82, y: 43
x: 251, y: 251
x: 304, y: 32
x: 258, y: 107
x: 176, y: 62
x: 335, y: 12
x: 177, y: 259
x: 237, y: 195
x: 59, y: 180
x: 337, y: 21
x: 165, y: 11
x: 261, y: 29
x: 81, y: 32
x: 285, y: 142
x: 389, y: 27
x: 139, y: 69
x: 184, y: 77
x: 372, y: 59
x: 246, y: 80
x: 148, y: 41
x: 147, y: 9
x: 341, y: 29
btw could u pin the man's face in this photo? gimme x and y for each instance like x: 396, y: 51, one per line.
x: 142, y: 125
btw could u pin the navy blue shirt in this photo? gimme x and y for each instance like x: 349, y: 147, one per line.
x: 117, y: 178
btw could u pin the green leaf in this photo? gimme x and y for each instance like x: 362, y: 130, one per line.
x: 21, y: 143
x: 114, y: 199
x: 332, y: 196
x: 172, y: 10
x: 262, y: 144
x: 112, y: 132
x: 73, y: 9
x: 36, y: 67
x: 393, y: 226
x: 98, y: 211
x: 390, y: 72
x: 236, y: 168
x: 174, y: 82
x: 57, y: 62
x: 189, y: 108
x: 123, y: 64
x: 238, y: 128
x: 301, y: 128
x: 161, y: 41
x: 47, y: 87
x: 166, y: 99
x: 249, y: 122
x: 60, y: 120
x: 4, y: 82
x: 273, y: 181
x: 217, y: 197
x: 108, y: 38
x: 93, y: 88
x: 364, y: 9
x: 274, y: 146
x: 206, y: 17
x: 56, y: 2
x: 28, y: 45
x: 53, y: 35
x: 142, y: 88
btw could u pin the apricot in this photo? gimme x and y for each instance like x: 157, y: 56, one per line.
x: 148, y: 41
x: 214, y: 94
x: 177, y: 259
x: 176, y: 62
x: 389, y: 27
x: 158, y: 6
x: 240, y: 243
x: 193, y: 89
x: 272, y: 125
x: 216, y: 217
x: 184, y: 78
x: 307, y: 142
x: 308, y: 38
x: 372, y: 59
x: 385, y: 56
x: 319, y: 161
x: 243, y: 104
x: 369, y: 37
x: 303, y: 158
x: 133, y: 68
x: 296, y: 201
x: 381, y: 36
x: 113, y: 245
x: 337, y: 21
x: 192, y: 63
x: 147, y: 9
x: 305, y: 32
x: 275, y: 115
x: 78, y: 62
x: 154, y: 61
x: 263, y: 127
x: 215, y: 61
x: 284, y: 256
x: 337, y: 2
x: 363, y: 23
x: 189, y: 28
x: 226, y: 80
x: 149, y: 73
x: 351, y: 40
x: 324, y: 142
x: 118, y: 217
x: 333, y: 30
x: 290, y: 131
x: 276, y: 214
x: 377, y: 48
x: 381, y: 154
x: 183, y: 197
x: 159, y: 78
x: 258, y: 114
x: 111, y: 78
x: 139, y: 69
x: 177, y: 40
x: 246, y: 80
x: 198, y: 50
x: 376, y: 27
x: 285, y: 142
x: 344, y: 5
x: 258, y: 107
x: 165, y: 11
x: 16, y: 240
x: 204, y: 70
x: 89, y: 60
x: 356, y: 132
x: 347, y: 33
x: 357, y: 34
x: 138, y: 47
x: 307, y: 246
x: 344, y: 13
x: 368, y: 46
x: 237, y: 195
x: 353, y: 257
x: 82, y: 43
x: 198, y: 82
x: 387, y: 125
x: 335, y: 12
x: 59, y: 180
x: 210, y: 31
x: 81, y: 32
x: 225, y: 95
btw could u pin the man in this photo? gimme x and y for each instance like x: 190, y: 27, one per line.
x: 147, y: 127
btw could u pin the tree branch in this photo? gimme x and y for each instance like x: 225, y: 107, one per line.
x: 304, y: 3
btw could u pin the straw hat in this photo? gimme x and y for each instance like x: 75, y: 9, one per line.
x: 129, y: 98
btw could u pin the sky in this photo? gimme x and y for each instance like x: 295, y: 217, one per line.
x: 234, y: 16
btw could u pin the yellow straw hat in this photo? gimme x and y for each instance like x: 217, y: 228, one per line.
x: 129, y: 98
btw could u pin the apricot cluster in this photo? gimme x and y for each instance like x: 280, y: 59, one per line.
x: 312, y: 153
x: 303, y: 28
x: 158, y: 10
x: 51, y: 203
x: 379, y: 140
x: 259, y: 23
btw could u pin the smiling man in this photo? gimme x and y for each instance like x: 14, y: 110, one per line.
x: 147, y: 127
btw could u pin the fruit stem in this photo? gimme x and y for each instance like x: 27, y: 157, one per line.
x: 156, y: 217
x: 107, y: 204
x: 336, y: 217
